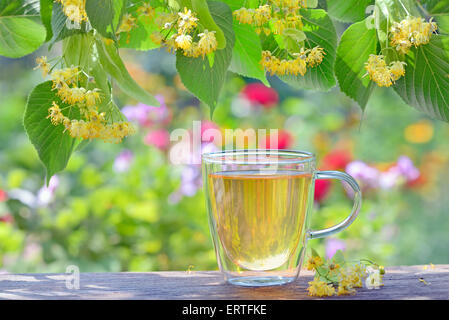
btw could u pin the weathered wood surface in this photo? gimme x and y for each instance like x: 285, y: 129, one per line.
x: 400, y: 283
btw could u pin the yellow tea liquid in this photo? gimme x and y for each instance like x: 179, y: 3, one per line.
x: 259, y: 216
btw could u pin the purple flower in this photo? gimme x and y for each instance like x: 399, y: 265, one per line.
x: 366, y: 175
x: 407, y: 169
x: 332, y: 246
x: 123, y: 161
x: 146, y: 115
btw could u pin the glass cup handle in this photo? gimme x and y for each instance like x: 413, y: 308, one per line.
x: 355, y: 209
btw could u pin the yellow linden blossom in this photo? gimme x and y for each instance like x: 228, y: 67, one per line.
x: 262, y: 15
x: 93, y: 124
x: 75, y: 10
x: 315, y: 56
x: 410, y: 32
x: 274, y: 65
x: 397, y: 69
x: 187, y: 21
x: 314, y: 262
x: 183, y: 41
x: 207, y: 42
x: 157, y: 37
x: 319, y: 288
x: 43, y: 65
x: 55, y: 114
x: 146, y: 10
x: 382, y: 74
x: 64, y: 76
x: 128, y: 23
x: 244, y: 16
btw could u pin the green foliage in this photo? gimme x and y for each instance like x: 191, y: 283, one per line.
x: 349, y: 10
x: 101, y: 14
x: 247, y: 53
x: 113, y: 65
x: 320, y: 31
x: 54, y: 147
x: 202, y: 79
x: 350, y: 65
x: 21, y: 29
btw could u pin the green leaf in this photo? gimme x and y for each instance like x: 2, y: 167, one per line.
x: 247, y: 53
x: 443, y: 23
x: 139, y: 38
x: 314, y: 253
x: 51, y: 143
x: 349, y: 10
x: 356, y: 45
x: 20, y: 36
x: 338, y: 258
x: 113, y: 64
x: 101, y: 15
x: 62, y: 26
x: 425, y: 85
x: 46, y: 12
x: 320, y: 31
x: 436, y: 6
x: 21, y: 29
x: 203, y: 81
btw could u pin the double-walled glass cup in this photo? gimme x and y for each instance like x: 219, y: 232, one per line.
x: 259, y: 204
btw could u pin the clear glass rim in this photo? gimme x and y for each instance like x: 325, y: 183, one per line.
x: 262, y: 156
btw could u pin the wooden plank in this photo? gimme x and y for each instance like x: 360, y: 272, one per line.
x: 400, y: 283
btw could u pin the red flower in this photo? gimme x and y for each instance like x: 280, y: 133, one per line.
x: 321, y: 189
x: 284, y: 140
x: 205, y: 126
x: 336, y: 160
x: 158, y: 138
x: 3, y: 195
x: 7, y: 218
x: 257, y: 93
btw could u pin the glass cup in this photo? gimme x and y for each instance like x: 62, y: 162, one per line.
x: 259, y: 204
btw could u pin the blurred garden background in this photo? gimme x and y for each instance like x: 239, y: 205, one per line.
x: 124, y: 207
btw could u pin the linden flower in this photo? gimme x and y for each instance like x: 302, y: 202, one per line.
x: 74, y: 10
x: 319, y: 288
x: 315, y: 56
x: 314, y: 262
x: 146, y: 10
x: 410, y: 32
x: 92, y: 97
x: 184, y: 41
x: 397, y: 69
x: 43, y: 65
x: 187, y: 22
x: 55, y: 114
x: 382, y: 74
x: 244, y: 16
x: 262, y: 15
x: 157, y: 37
x: 128, y: 23
x: 207, y: 42
x: 374, y: 279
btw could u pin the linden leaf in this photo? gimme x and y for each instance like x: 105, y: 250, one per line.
x: 320, y: 31
x: 356, y: 45
x: 21, y: 29
x: 53, y: 145
x: 204, y: 81
x: 349, y: 10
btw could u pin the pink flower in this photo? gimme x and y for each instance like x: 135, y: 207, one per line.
x: 257, y: 93
x: 332, y: 246
x: 3, y: 195
x: 146, y: 115
x: 123, y: 161
x: 158, y: 138
x: 207, y: 128
x: 284, y: 140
